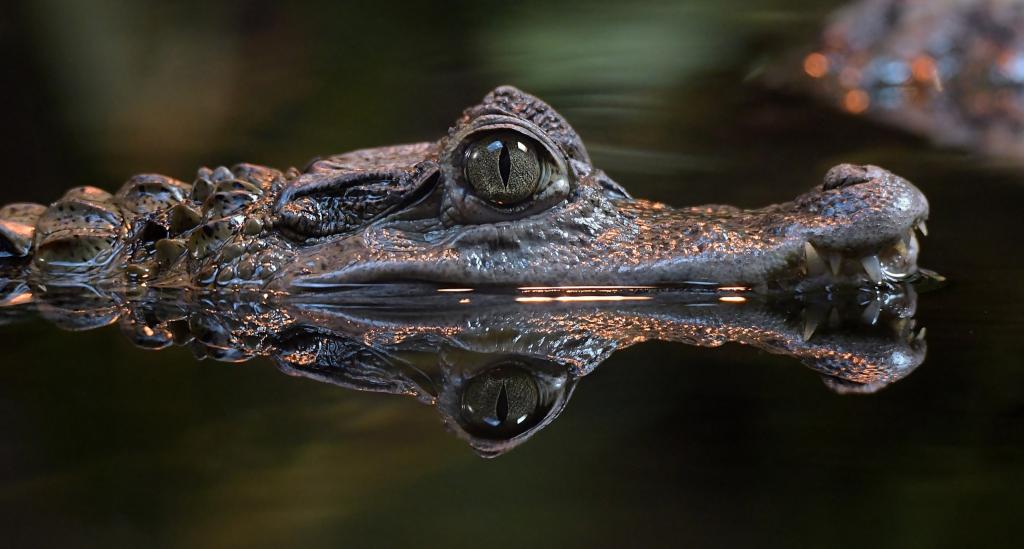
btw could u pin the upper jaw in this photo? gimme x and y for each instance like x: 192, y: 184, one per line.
x: 867, y: 220
x: 862, y: 207
x: 855, y: 229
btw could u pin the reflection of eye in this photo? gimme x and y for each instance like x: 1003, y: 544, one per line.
x: 504, y: 167
x: 501, y: 403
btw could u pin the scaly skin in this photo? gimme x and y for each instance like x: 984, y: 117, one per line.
x: 407, y: 213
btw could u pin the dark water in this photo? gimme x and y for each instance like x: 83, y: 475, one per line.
x: 106, y: 444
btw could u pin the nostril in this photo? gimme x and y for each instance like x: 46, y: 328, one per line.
x: 845, y: 175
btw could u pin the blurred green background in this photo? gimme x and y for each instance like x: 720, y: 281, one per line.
x: 107, y: 445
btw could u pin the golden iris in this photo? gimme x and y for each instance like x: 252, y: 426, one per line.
x: 503, y: 167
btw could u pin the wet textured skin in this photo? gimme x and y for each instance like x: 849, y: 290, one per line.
x: 408, y: 213
x: 504, y: 366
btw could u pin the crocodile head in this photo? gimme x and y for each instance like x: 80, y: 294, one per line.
x: 510, y: 197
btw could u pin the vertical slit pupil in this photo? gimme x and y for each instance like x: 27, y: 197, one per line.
x: 504, y: 164
x: 501, y: 410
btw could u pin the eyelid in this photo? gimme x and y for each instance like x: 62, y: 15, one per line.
x: 458, y: 141
x: 544, y: 150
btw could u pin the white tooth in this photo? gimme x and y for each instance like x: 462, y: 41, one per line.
x: 923, y: 228
x: 899, y: 325
x: 911, y: 334
x: 913, y: 246
x: 815, y: 265
x: 873, y: 267
x: 813, y: 316
x: 835, y: 262
x: 871, y: 312
x: 920, y: 335
x: 810, y: 324
x: 901, y: 248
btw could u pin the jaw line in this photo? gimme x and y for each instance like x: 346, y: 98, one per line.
x: 856, y: 234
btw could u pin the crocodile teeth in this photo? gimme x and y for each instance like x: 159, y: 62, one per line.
x: 899, y: 325
x: 815, y: 265
x: 872, y: 266
x: 920, y: 335
x: 901, y: 248
x: 908, y: 247
x: 833, y: 318
x: 835, y: 262
x: 871, y: 312
x: 923, y: 228
x: 809, y: 328
x: 813, y: 317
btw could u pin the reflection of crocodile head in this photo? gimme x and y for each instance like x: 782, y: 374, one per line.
x: 501, y: 366
x: 509, y: 196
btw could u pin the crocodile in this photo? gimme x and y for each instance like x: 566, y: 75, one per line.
x: 503, y: 366
x: 949, y: 70
x: 508, y: 197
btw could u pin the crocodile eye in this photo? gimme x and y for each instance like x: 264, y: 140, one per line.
x: 503, y: 167
x: 501, y: 403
